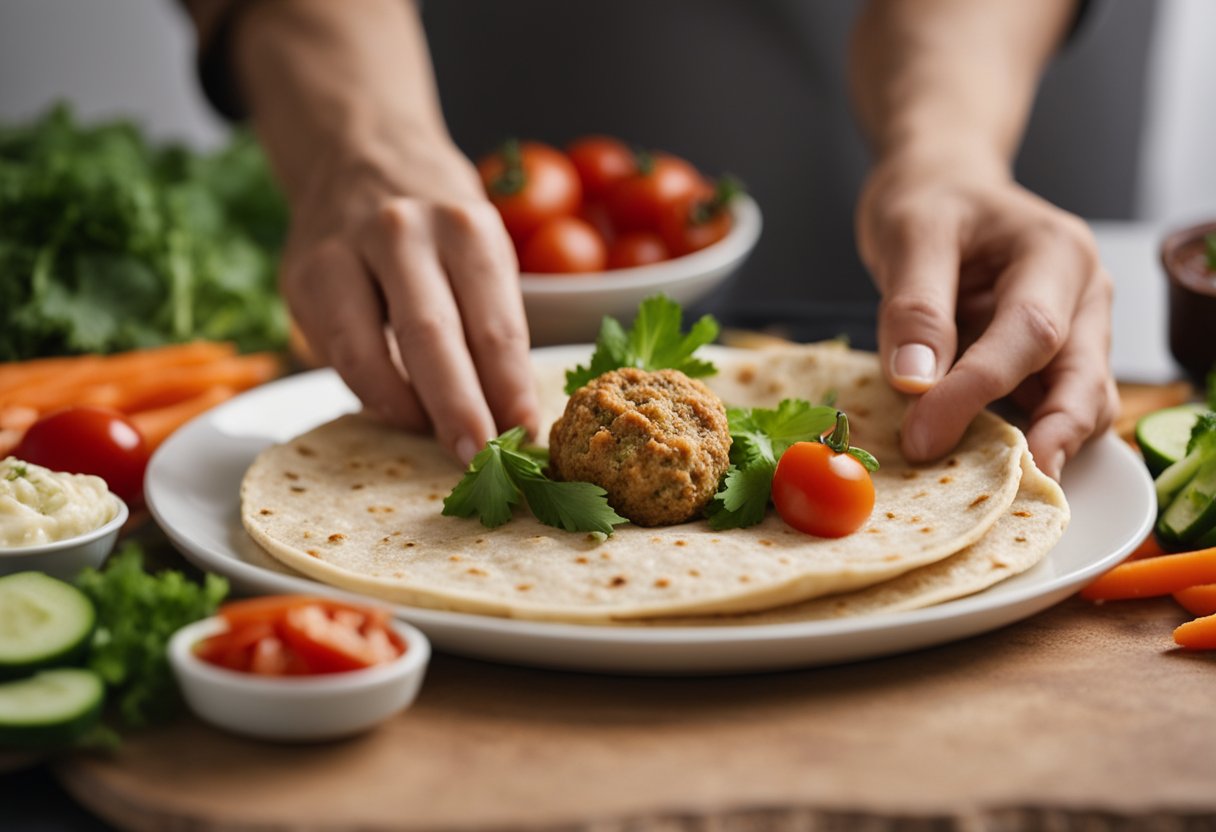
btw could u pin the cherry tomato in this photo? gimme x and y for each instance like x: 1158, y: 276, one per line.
x: 89, y: 440
x: 821, y: 492
x: 638, y: 202
x: 699, y: 220
x: 564, y: 245
x: 637, y: 248
x: 530, y: 183
x: 595, y: 214
x: 601, y: 162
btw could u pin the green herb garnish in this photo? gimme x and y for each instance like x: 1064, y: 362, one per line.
x: 654, y: 342
x: 137, y: 612
x: 20, y: 471
x: 759, y: 437
x: 506, y: 471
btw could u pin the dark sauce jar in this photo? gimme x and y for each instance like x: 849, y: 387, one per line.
x: 1192, y: 300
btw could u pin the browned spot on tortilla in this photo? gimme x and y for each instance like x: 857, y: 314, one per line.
x: 380, y: 509
x: 480, y: 540
x: 873, y: 530
x: 432, y: 496
x: 681, y: 542
x: 473, y: 570
x: 914, y: 519
x: 656, y: 540
x: 980, y: 500
x: 908, y: 474
x: 694, y: 573
x: 997, y: 563
x: 605, y: 556
x: 920, y: 495
x: 784, y: 560
x: 357, y: 486
x: 304, y: 450
x: 523, y: 587
x: 1022, y: 514
x: 394, y: 534
x: 355, y: 464
x: 265, y: 512
x: 951, y: 463
x: 945, y: 479
x: 775, y: 386
x: 926, y: 529
x: 307, y: 535
x: 890, y: 515
x: 409, y: 544
x: 890, y: 558
x: 765, y: 542
x: 336, y: 537
x: 291, y: 475
x: 662, y: 583
x: 298, y: 489
x: 862, y: 381
x: 392, y: 471
x: 746, y: 375
x: 454, y: 558
x: 745, y: 579
x: 581, y: 559
x: 715, y: 540
x: 619, y: 580
x: 398, y: 574
x: 314, y: 553
x: 1020, y: 539
x: 386, y: 539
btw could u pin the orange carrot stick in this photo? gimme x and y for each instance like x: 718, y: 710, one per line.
x: 1148, y: 548
x: 176, y: 384
x: 1199, y: 634
x: 1198, y: 600
x: 1154, y: 576
x: 156, y: 425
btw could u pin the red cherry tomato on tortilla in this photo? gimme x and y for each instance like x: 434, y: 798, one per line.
x: 530, y: 183
x: 821, y: 492
x: 601, y: 161
x: 637, y: 248
x: 564, y: 245
x: 695, y: 222
x: 89, y: 440
x: 638, y: 202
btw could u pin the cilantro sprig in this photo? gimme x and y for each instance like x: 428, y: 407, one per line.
x: 759, y: 436
x: 507, y: 471
x: 654, y: 342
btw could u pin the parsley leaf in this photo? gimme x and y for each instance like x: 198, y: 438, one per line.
x: 507, y: 470
x: 654, y: 342
x: 744, y: 496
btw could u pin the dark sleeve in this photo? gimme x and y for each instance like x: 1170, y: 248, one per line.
x: 215, y: 21
x: 1082, y: 21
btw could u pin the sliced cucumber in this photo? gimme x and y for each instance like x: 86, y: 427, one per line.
x: 1163, y: 434
x: 1193, y: 512
x: 43, y: 622
x: 50, y: 708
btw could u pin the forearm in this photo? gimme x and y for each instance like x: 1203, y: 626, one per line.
x: 952, y: 79
x: 347, y: 85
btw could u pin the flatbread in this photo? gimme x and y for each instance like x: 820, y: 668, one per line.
x: 1019, y: 539
x: 357, y: 505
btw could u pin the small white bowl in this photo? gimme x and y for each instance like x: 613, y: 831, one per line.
x: 63, y: 559
x: 568, y: 308
x: 297, y: 708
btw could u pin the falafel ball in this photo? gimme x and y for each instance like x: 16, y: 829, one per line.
x: 657, y: 442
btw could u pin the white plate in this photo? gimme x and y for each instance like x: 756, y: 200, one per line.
x: 192, y: 489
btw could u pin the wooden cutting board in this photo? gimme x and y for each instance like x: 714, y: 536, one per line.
x: 1080, y: 716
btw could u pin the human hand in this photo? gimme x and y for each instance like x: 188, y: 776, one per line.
x: 408, y: 286
x: 971, y: 265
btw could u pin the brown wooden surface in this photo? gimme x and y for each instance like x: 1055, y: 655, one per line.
x: 1081, y: 717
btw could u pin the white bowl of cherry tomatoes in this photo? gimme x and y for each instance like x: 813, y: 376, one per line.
x: 601, y: 226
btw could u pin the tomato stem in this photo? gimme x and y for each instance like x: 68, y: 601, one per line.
x: 644, y: 159
x: 838, y: 439
x: 704, y: 210
x: 512, y: 179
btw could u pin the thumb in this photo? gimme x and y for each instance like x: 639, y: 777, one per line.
x: 917, y: 273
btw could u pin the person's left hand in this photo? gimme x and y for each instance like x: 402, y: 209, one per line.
x: 987, y: 291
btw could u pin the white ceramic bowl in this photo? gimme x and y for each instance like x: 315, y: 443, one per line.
x: 64, y: 558
x: 297, y: 708
x: 567, y: 309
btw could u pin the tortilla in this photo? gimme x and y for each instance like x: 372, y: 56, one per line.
x: 356, y: 504
x: 1019, y: 539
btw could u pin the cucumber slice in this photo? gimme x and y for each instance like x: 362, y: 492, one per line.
x: 1193, y: 512
x: 50, y: 708
x: 43, y: 622
x: 1163, y: 434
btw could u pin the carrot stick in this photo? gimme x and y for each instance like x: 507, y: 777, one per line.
x: 1199, y: 634
x: 1154, y: 576
x: 1198, y: 600
x: 156, y: 425
x: 16, y: 417
x: 1148, y: 548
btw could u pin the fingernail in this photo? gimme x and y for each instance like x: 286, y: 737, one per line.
x: 466, y: 449
x: 914, y: 365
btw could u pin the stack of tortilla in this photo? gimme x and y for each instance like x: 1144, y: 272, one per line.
x: 357, y: 505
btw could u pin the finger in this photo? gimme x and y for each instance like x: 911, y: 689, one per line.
x: 398, y: 244
x: 1080, y: 398
x: 916, y: 265
x: 480, y: 262
x: 1034, y: 311
x: 338, y: 307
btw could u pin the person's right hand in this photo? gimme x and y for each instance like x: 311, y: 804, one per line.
x: 401, y: 276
